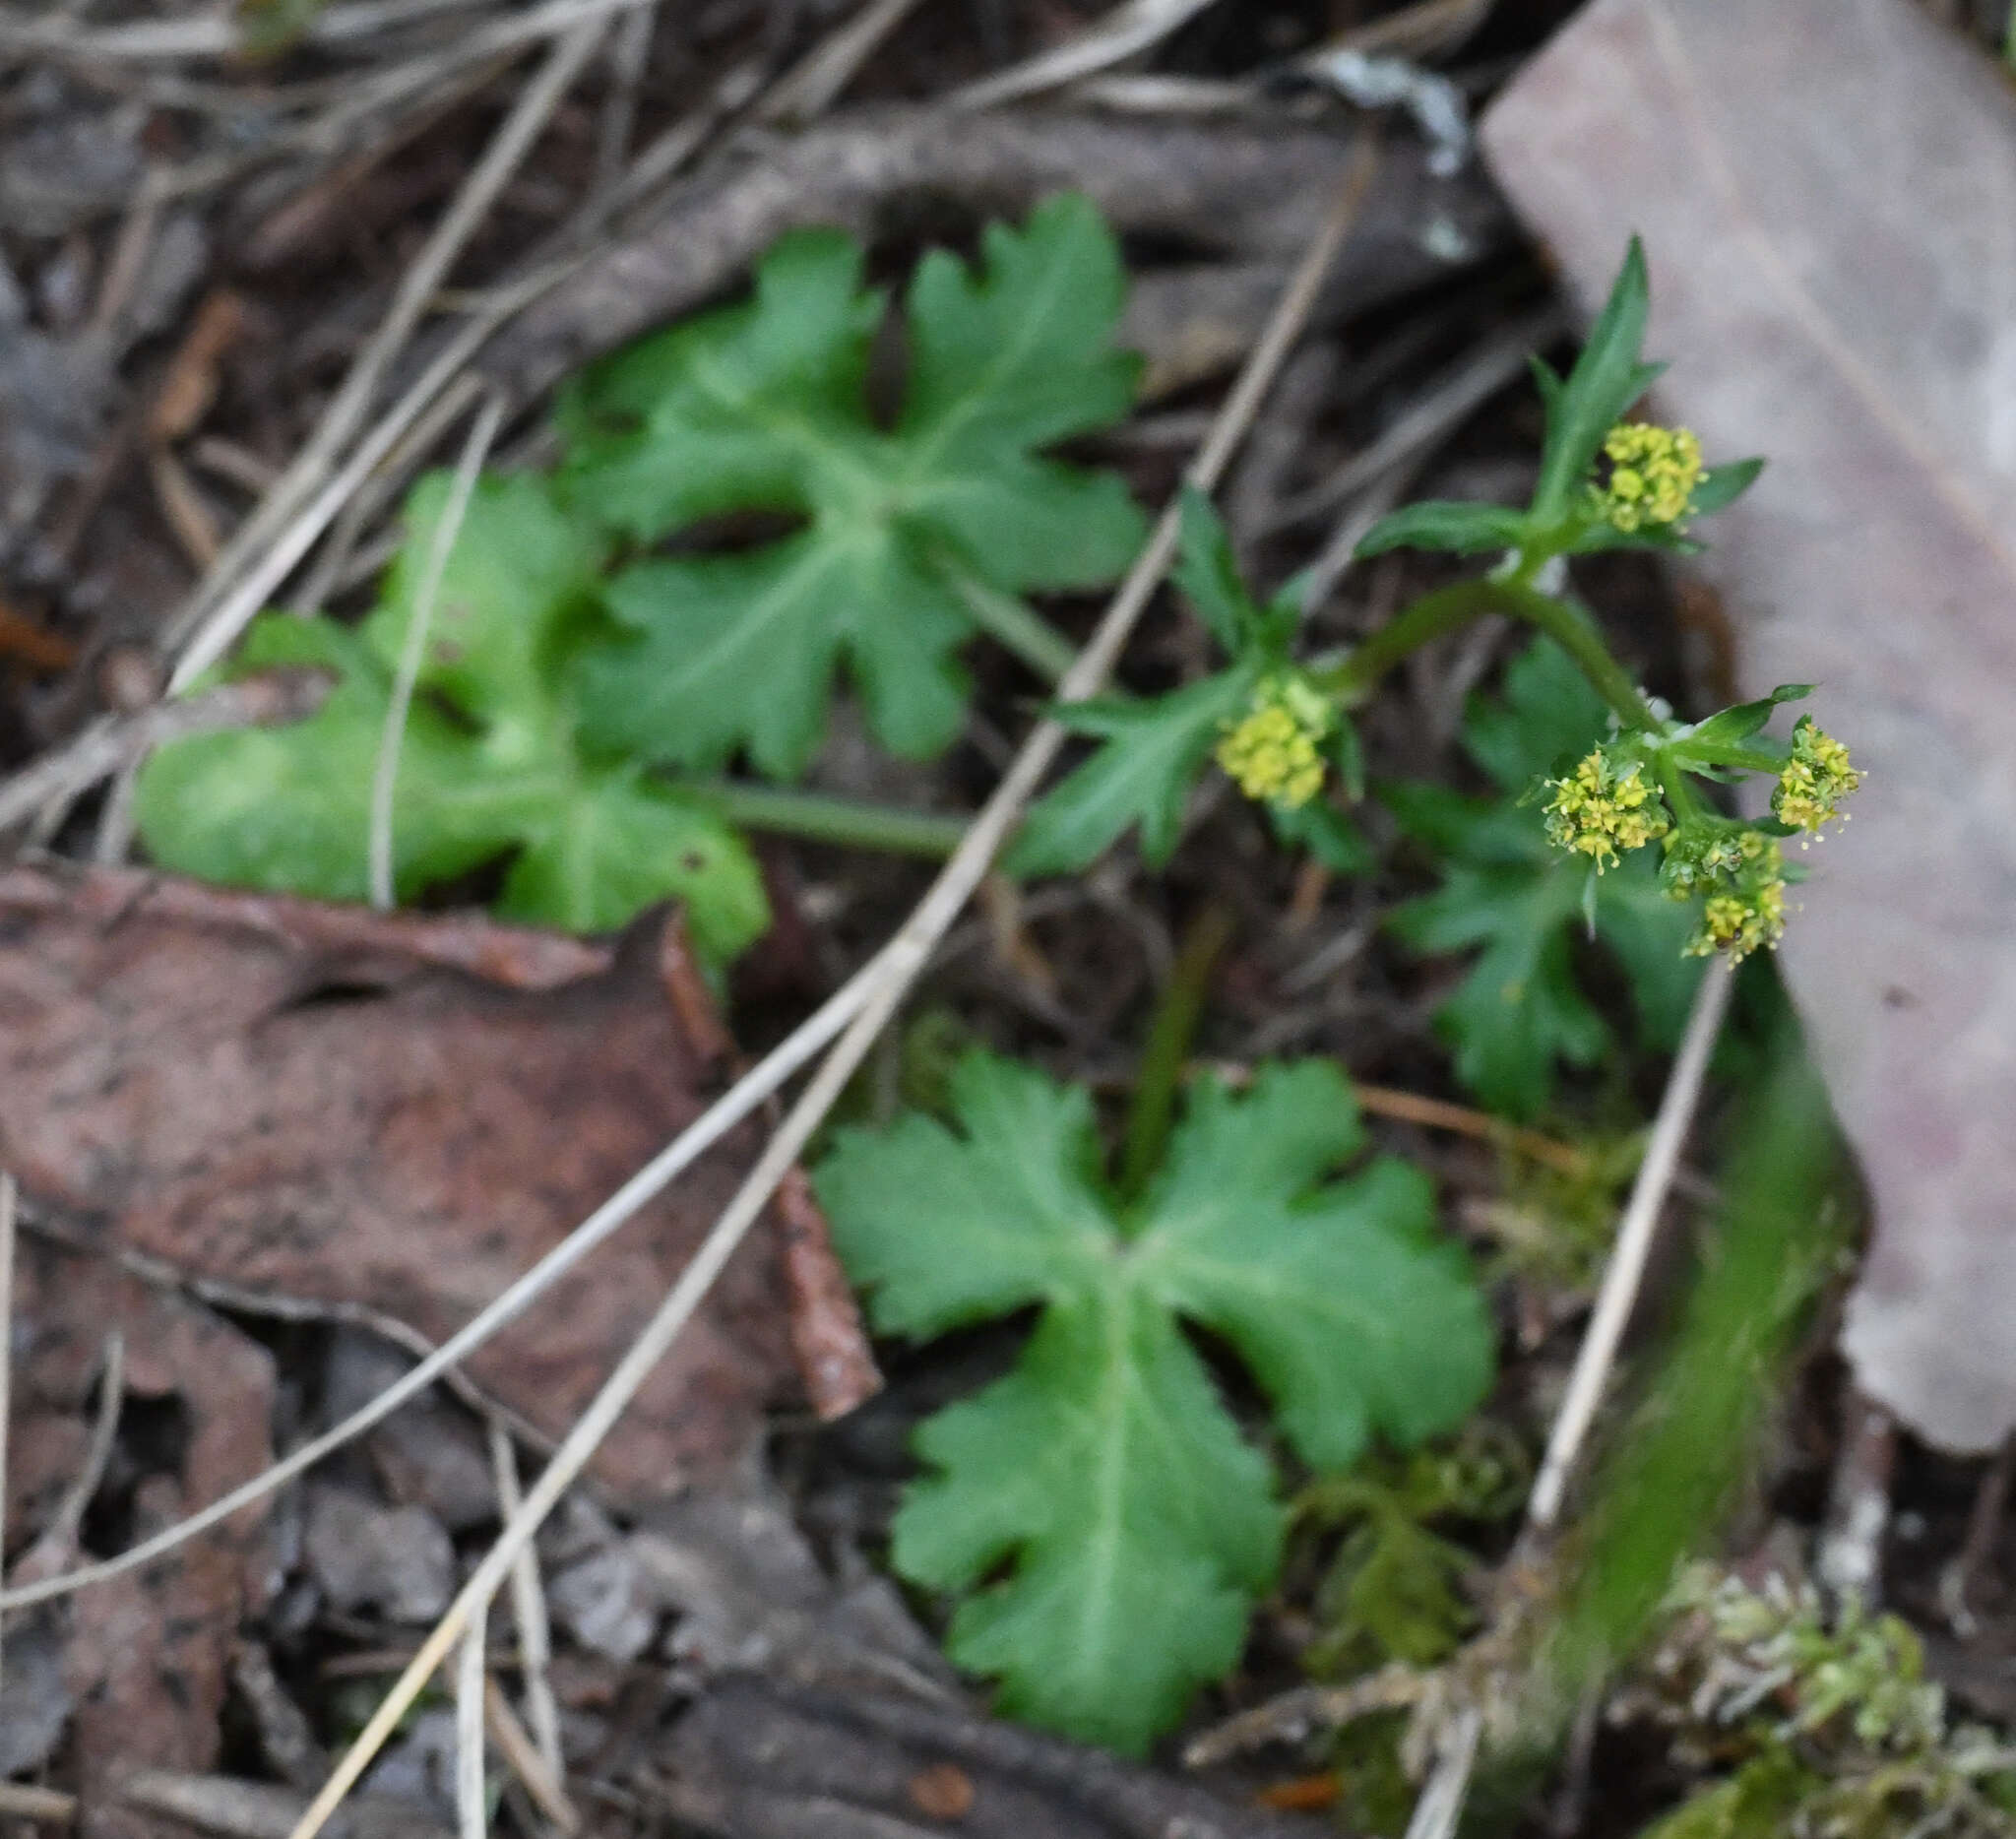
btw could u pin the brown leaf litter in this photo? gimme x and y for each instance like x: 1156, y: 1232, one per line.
x: 144, y: 1658
x: 1835, y: 286
x: 398, y: 1115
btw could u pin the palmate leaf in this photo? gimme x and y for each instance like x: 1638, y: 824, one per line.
x: 1520, y: 1011
x: 488, y: 766
x: 1103, y: 1473
x: 765, y: 407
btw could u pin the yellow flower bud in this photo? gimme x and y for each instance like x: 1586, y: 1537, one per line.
x: 1653, y: 474
x: 1273, y: 752
x: 1744, y: 873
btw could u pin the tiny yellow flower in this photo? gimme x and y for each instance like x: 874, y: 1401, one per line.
x: 1273, y: 752
x: 1653, y: 474
x: 1597, y: 810
x: 1814, y: 781
x: 1738, y: 923
x: 1743, y: 875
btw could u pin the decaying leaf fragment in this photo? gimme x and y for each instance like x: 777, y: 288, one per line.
x: 1827, y: 193
x: 392, y: 1112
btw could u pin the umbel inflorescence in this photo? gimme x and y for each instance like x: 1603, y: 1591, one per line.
x: 1619, y: 797
x: 1274, y: 753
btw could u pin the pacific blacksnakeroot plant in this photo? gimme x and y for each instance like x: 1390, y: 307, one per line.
x: 592, y: 665
x: 1281, y: 727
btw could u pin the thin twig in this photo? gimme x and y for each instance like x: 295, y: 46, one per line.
x: 222, y: 623
x: 897, y: 966
x: 1290, y: 1716
x: 1626, y: 1268
x: 1984, y: 1528
x: 472, y: 1808
x: 346, y: 411
x: 1466, y: 387
x: 420, y: 616
x: 1440, y: 1115
x: 113, y: 742
x: 21, y: 1802
x: 753, y: 1090
x: 1127, y: 31
x: 521, y: 1755
x: 1441, y: 1800
x: 629, y: 52
x: 529, y: 1611
x: 814, y: 83
x: 1849, y: 1561
x: 1440, y: 1807
x: 56, y: 1545
x: 329, y: 574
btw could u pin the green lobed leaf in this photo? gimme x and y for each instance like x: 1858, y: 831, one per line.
x: 1141, y: 775
x: 1104, y: 1473
x: 764, y: 406
x: 488, y: 767
x: 1520, y: 1011
x: 1456, y: 528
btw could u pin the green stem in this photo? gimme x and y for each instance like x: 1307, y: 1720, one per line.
x: 818, y: 818
x: 1673, y: 781
x: 1008, y: 620
x: 1167, y: 1048
x: 1575, y: 633
x: 1416, y: 625
x: 1446, y: 608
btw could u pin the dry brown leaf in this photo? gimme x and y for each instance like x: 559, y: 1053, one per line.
x: 308, y: 1101
x: 1827, y: 193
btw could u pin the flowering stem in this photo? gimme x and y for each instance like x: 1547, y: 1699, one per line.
x: 1356, y: 678
x: 1446, y: 608
x: 820, y: 819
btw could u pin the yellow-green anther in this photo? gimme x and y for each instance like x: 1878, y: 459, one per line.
x: 1600, y: 810
x: 1273, y: 752
x: 1814, y: 781
x: 1653, y: 474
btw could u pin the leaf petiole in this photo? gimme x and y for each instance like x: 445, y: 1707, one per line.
x: 1168, y: 1045
x: 1010, y: 622
x: 816, y: 818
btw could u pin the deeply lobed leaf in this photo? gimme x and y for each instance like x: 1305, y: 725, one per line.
x: 764, y: 406
x: 488, y: 766
x: 1103, y: 1472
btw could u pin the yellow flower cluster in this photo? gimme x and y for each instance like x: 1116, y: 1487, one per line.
x: 1600, y: 811
x: 1653, y: 474
x: 1744, y: 872
x: 1814, y: 779
x: 1273, y: 752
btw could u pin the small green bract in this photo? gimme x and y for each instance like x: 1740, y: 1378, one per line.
x: 765, y: 408
x: 490, y: 766
x: 1505, y: 887
x: 1104, y: 1475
